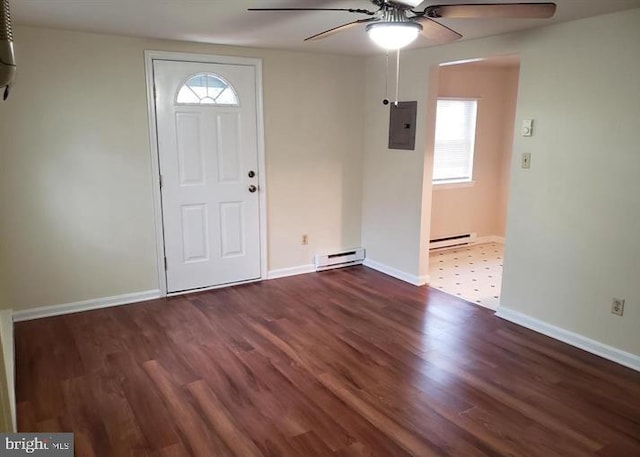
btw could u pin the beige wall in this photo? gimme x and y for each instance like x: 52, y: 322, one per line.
x: 480, y: 208
x: 7, y: 396
x: 574, y: 218
x: 75, y: 174
x: 7, y: 370
x: 572, y: 221
x: 6, y: 424
x: 392, y: 216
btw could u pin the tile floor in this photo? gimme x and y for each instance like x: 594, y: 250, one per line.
x: 470, y: 272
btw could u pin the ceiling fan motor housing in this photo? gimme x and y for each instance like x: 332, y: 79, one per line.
x: 393, y: 16
x: 403, y: 5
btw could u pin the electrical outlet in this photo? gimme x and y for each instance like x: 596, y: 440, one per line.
x: 526, y: 160
x: 305, y: 239
x: 617, y: 306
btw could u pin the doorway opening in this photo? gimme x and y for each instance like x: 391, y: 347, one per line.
x: 475, y: 117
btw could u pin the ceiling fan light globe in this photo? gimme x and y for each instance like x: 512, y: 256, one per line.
x: 393, y: 35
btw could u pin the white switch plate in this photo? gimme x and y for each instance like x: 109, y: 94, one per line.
x: 526, y: 160
x: 527, y: 127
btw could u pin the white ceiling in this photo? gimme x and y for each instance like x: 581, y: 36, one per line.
x: 229, y: 22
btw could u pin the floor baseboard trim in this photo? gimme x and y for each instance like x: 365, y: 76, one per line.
x: 489, y: 239
x: 291, y: 271
x: 8, y: 355
x: 86, y: 305
x: 398, y: 274
x: 574, y: 339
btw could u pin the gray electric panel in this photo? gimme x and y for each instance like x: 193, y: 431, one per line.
x: 402, y: 125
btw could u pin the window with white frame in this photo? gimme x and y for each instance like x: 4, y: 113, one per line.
x: 207, y: 89
x: 455, y: 140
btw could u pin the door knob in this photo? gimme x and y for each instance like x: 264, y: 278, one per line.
x: 251, y: 173
x: 252, y: 188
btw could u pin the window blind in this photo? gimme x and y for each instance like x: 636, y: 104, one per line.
x: 455, y: 139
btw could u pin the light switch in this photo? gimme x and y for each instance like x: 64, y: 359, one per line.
x: 526, y: 160
x: 527, y: 127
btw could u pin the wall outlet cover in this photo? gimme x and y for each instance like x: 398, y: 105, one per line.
x: 617, y: 306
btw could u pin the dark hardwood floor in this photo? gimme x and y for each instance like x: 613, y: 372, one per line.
x: 342, y: 363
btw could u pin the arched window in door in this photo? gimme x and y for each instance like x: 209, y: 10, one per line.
x: 207, y: 89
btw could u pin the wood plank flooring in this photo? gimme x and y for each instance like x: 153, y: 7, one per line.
x: 346, y: 363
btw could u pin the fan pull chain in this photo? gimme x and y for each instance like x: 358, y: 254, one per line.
x: 385, y: 100
x: 386, y: 76
x: 397, y: 75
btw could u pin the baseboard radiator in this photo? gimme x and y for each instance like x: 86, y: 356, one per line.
x: 339, y: 259
x: 453, y: 240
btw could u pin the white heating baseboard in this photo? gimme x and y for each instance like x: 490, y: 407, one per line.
x: 453, y: 240
x: 339, y: 259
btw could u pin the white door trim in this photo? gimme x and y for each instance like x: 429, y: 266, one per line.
x: 149, y: 57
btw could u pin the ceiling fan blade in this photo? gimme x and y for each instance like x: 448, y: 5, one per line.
x: 340, y: 28
x: 493, y: 10
x: 349, y: 10
x: 436, y: 32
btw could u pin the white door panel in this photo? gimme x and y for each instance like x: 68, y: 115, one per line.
x: 190, y: 153
x: 211, y: 219
x: 228, y: 142
x: 195, y: 229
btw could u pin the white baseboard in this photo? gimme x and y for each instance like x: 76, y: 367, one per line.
x: 398, y: 274
x: 574, y: 339
x: 86, y: 305
x: 292, y: 271
x: 489, y: 239
x: 8, y: 353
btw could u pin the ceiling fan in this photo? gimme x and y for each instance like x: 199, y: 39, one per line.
x: 395, y: 23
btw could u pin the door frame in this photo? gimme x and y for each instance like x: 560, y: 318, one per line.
x: 149, y: 57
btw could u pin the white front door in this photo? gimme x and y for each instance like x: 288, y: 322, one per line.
x: 206, y: 118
